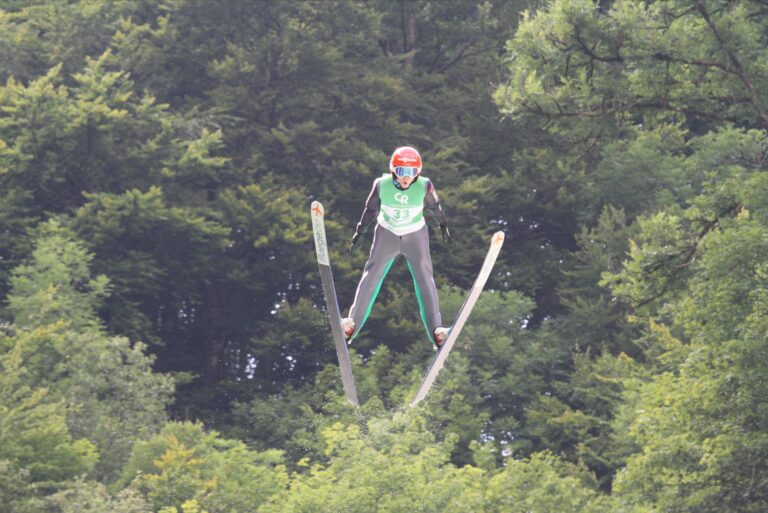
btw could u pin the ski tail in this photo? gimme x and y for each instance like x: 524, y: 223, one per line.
x: 317, y: 213
x: 461, y: 318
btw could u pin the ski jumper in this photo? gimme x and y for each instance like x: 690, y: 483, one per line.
x: 400, y: 230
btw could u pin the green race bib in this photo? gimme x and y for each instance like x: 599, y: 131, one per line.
x: 402, y: 211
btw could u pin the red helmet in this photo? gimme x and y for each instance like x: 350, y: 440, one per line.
x: 405, y: 157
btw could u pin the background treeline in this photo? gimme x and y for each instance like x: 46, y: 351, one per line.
x: 163, y: 346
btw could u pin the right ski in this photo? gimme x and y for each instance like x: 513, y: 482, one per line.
x: 461, y: 317
x: 324, y: 263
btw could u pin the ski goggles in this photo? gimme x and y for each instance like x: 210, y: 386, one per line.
x: 402, y: 171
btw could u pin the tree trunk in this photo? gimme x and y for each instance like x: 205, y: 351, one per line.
x: 409, y: 31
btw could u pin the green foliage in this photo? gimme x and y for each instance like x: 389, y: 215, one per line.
x: 94, y: 497
x: 61, y: 141
x: 543, y: 483
x: 395, y: 463
x: 106, y: 383
x: 575, y: 420
x: 644, y: 170
x: 392, y: 468
x: 672, y: 239
x: 700, y: 426
x: 189, y: 506
x: 38, y: 454
x: 40, y: 35
x: 595, y: 322
x: 184, y: 463
x: 158, y: 239
x: 662, y: 99
x: 57, y: 284
x: 577, y: 62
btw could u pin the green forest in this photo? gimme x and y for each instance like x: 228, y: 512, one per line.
x: 164, y: 340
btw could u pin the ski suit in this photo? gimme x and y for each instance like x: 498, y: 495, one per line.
x: 400, y: 230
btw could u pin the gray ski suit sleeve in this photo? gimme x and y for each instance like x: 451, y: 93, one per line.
x: 432, y: 204
x: 371, y: 210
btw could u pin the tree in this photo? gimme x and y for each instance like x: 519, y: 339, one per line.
x: 393, y: 463
x: 700, y: 432
x: 60, y: 141
x: 106, y: 384
x: 94, y: 497
x: 184, y: 462
x: 38, y: 454
x: 660, y: 103
x: 543, y: 483
x: 577, y: 61
x: 42, y: 35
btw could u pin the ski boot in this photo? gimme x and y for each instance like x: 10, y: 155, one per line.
x: 348, y: 327
x: 441, y: 333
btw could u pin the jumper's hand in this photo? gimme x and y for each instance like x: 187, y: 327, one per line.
x: 353, y: 242
x: 446, y: 234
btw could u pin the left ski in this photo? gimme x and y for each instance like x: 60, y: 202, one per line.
x: 331, y: 302
x: 437, y: 363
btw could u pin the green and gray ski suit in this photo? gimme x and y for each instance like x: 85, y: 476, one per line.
x: 400, y: 230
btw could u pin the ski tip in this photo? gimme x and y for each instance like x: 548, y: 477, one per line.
x: 317, y: 209
x: 498, y: 238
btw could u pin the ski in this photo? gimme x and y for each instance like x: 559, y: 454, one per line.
x: 439, y: 360
x: 317, y: 213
